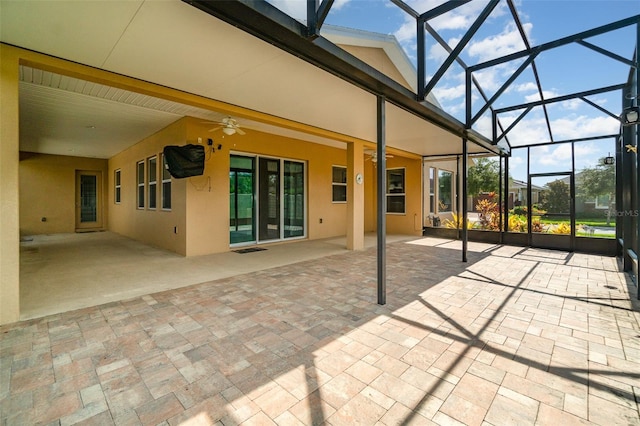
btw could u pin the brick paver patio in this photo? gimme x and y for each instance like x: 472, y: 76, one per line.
x: 514, y: 336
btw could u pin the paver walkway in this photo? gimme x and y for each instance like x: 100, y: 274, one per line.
x: 514, y: 336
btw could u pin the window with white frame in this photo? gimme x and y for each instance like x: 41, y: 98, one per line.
x: 117, y: 190
x: 339, y: 184
x: 140, y: 180
x: 396, y: 196
x: 166, y: 185
x: 432, y: 190
x: 152, y: 181
x: 445, y: 190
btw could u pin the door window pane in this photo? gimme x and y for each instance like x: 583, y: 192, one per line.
x: 269, y: 199
x: 241, y: 202
x: 595, y: 181
x: 445, y: 191
x: 88, y: 198
x: 293, y: 199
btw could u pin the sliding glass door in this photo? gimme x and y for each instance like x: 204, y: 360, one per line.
x: 293, y: 199
x: 267, y: 199
x: 242, y: 223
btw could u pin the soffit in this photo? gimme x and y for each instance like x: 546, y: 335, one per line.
x: 175, y: 45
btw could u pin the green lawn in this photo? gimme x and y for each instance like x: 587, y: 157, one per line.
x: 597, y: 221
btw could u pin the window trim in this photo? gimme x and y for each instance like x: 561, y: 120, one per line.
x: 152, y: 185
x: 451, y: 191
x: 162, y: 183
x: 141, y: 197
x: 397, y: 194
x: 340, y: 184
x: 117, y: 186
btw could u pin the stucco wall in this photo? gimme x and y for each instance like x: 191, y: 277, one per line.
x: 410, y: 222
x: 9, y: 217
x: 48, y: 191
x: 208, y: 211
x: 199, y: 220
x: 157, y: 227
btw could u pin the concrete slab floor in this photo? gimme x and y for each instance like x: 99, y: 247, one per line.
x: 514, y: 336
x: 63, y: 272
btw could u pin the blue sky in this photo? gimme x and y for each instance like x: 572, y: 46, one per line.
x: 561, y: 71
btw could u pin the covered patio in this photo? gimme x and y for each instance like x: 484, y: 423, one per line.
x: 514, y: 336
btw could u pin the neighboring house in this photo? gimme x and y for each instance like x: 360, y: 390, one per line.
x: 518, y: 193
x: 594, y: 206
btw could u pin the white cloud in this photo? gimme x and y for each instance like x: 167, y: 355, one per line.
x: 526, y: 87
x: 507, y: 42
x: 489, y: 79
x: 584, y: 126
x: 437, y: 53
x: 534, y: 97
x: 294, y: 8
x: 561, y: 154
x: 298, y: 8
x: 407, y: 31
x: 461, y: 18
x: 449, y: 93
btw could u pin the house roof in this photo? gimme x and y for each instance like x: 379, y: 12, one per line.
x: 519, y: 184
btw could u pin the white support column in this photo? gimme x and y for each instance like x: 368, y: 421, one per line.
x: 355, y: 196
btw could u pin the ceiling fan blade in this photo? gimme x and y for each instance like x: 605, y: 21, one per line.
x: 214, y: 129
x: 240, y: 131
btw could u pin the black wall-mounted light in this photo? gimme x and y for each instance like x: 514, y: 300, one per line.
x: 630, y: 116
x: 608, y: 160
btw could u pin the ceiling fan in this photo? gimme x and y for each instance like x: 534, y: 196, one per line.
x: 228, y: 125
x: 373, y: 155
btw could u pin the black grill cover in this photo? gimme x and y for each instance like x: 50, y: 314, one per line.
x: 184, y: 161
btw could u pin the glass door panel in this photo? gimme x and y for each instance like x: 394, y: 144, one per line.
x: 293, y: 199
x: 551, y: 211
x: 88, y: 200
x: 269, y: 199
x: 241, y: 203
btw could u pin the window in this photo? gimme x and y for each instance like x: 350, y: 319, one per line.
x: 602, y: 201
x: 166, y: 186
x: 339, y: 184
x: 140, y: 180
x: 395, y: 191
x: 445, y: 186
x: 152, y: 173
x: 432, y: 190
x: 117, y: 186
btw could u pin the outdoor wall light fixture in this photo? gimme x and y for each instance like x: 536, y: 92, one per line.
x: 609, y: 160
x: 630, y: 116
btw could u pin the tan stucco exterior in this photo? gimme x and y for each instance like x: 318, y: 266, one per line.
x: 9, y: 202
x: 198, y: 222
x: 48, y: 192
